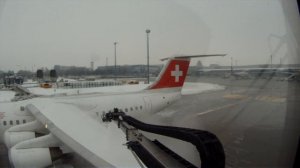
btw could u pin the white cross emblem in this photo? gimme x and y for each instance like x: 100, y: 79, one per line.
x: 176, y: 73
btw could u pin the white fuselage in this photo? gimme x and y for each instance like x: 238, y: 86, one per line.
x: 136, y: 104
x: 13, y: 114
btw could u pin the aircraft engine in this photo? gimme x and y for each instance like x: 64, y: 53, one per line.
x: 12, y: 138
x: 34, y: 157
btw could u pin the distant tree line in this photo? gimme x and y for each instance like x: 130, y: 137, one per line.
x: 72, y: 71
x: 23, y: 73
x: 104, y: 71
x: 108, y: 71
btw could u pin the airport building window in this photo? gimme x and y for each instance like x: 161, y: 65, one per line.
x: 11, y: 122
x: 126, y: 109
x: 141, y: 107
x: 131, y: 109
x: 4, y: 122
x: 24, y: 121
x: 136, y: 108
x: 17, y: 122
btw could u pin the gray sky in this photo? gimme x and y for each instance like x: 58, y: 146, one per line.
x: 42, y: 33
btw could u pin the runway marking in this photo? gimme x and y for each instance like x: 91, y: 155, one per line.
x: 274, y: 99
x: 235, y: 96
x: 217, y: 109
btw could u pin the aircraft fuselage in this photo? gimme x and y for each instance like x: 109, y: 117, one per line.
x: 137, y: 104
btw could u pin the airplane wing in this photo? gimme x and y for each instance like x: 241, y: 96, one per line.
x: 98, y: 143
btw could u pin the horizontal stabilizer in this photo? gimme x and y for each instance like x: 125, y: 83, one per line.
x: 195, y: 56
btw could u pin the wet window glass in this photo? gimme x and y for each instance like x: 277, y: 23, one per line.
x: 231, y: 68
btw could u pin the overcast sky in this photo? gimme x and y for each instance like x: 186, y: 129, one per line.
x: 43, y: 33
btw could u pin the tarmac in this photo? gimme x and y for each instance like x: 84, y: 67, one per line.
x: 255, y: 119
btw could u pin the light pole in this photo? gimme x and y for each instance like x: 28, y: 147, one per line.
x: 115, y: 43
x: 271, y: 60
x: 148, y: 77
x: 231, y: 67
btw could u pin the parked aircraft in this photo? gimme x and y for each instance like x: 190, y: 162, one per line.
x: 40, y: 130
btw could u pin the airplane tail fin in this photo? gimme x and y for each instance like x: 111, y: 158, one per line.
x: 174, y: 72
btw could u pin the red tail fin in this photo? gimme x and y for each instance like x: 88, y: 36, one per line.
x: 173, y: 74
x: 175, y: 71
